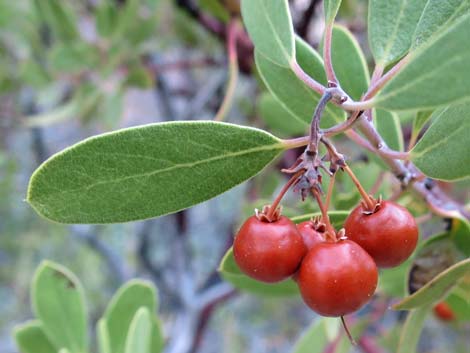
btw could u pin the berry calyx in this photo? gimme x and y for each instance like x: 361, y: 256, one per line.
x: 336, y: 279
x: 389, y: 234
x: 268, y: 251
x: 312, y: 232
x: 444, y: 312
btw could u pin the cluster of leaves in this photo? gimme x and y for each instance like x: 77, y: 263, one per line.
x: 80, y: 70
x: 129, y: 324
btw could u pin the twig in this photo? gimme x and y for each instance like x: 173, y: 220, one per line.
x: 329, y: 70
x: 303, y: 25
x: 114, y: 262
x: 233, y: 70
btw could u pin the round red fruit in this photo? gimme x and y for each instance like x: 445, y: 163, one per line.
x: 336, y: 279
x: 444, y: 312
x: 389, y: 235
x: 310, y: 234
x: 268, y: 251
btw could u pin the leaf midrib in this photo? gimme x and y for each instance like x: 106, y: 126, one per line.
x: 393, y: 37
x: 276, y: 36
x: 276, y: 146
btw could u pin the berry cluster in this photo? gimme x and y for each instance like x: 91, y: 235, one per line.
x: 336, y: 271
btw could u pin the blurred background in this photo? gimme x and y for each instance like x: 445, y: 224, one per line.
x: 71, y: 69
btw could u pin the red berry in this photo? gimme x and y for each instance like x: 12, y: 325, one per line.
x: 389, y: 235
x: 444, y: 312
x: 268, y: 251
x: 310, y: 234
x: 336, y: 279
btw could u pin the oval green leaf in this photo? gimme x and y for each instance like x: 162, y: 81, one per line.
x: 314, y: 339
x: 436, y: 74
x: 412, y: 330
x: 269, y: 25
x: 460, y: 234
x: 139, y: 335
x: 282, y: 82
x: 331, y: 8
x: 349, y: 62
x: 443, y: 151
x: 437, y: 16
x: 436, y: 288
x: 277, y: 118
x: 102, y: 336
x: 389, y: 127
x: 59, y: 303
x: 391, y: 27
x: 31, y: 338
x: 337, y: 218
x: 419, y: 121
x: 148, y: 171
x: 123, y: 307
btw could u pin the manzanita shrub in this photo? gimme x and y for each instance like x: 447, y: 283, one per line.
x: 421, y: 52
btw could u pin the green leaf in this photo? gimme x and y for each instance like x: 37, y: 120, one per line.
x: 459, y: 301
x: 230, y: 272
x: 331, y: 8
x: 442, y: 153
x: 435, y: 289
x: 389, y: 127
x: 282, y: 82
x: 59, y: 303
x: 215, y: 8
x: 460, y: 234
x: 123, y: 307
x: 139, y: 335
x: 157, y: 341
x: 106, y: 16
x: 102, y: 335
x: 337, y: 218
x: 314, y: 339
x: 148, y: 171
x: 59, y: 17
x: 391, y: 281
x: 73, y: 57
x: 412, y: 330
x: 437, y: 16
x: 349, y: 62
x: 31, y: 338
x: 277, y: 118
x: 436, y: 74
x: 420, y: 120
x: 269, y: 25
x: 391, y: 27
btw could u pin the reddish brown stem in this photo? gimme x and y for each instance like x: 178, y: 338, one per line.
x: 370, y: 204
x: 330, y: 231
x: 232, y: 30
x: 285, y: 188
x: 330, y: 191
x: 330, y: 72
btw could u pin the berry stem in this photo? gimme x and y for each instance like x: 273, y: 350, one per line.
x: 285, y: 188
x: 330, y: 231
x: 330, y: 191
x: 348, y: 333
x: 370, y: 204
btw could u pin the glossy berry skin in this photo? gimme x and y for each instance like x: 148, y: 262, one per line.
x: 444, y: 312
x: 389, y: 235
x: 310, y: 235
x: 268, y: 251
x: 336, y: 279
